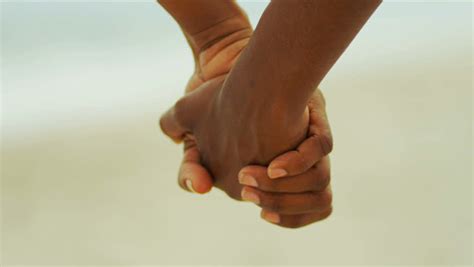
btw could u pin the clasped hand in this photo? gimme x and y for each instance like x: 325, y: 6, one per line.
x: 235, y: 146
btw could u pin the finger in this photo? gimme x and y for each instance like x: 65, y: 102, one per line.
x: 316, y: 178
x: 297, y: 220
x: 300, y: 160
x: 285, y: 203
x: 192, y: 175
x: 318, y: 144
x: 180, y: 119
x: 318, y: 121
x: 170, y: 126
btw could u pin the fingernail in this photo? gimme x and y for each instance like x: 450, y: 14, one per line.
x: 248, y: 180
x: 276, y: 173
x: 250, y: 196
x: 272, y: 217
x: 189, y: 185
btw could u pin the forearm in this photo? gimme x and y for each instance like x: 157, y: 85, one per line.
x: 293, y: 47
x: 204, y: 22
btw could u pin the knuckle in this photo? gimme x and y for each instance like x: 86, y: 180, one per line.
x: 324, y: 182
x: 181, y: 110
x: 322, y: 179
x: 179, y: 107
x: 168, y: 127
x: 295, y: 161
x: 326, y: 214
x: 304, y: 163
x: 272, y: 204
x: 326, y: 143
x: 294, y: 223
x: 325, y: 199
x: 271, y: 186
x: 161, y: 123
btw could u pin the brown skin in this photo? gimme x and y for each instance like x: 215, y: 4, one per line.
x: 271, y: 118
x: 218, y: 58
x: 310, y: 196
x: 305, y: 197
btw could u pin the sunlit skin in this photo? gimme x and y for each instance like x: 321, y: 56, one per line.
x: 253, y: 101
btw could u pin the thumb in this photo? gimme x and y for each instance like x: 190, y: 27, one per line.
x: 171, y: 126
x: 316, y: 146
x: 193, y: 176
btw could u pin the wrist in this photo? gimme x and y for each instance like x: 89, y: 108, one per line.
x: 253, y: 118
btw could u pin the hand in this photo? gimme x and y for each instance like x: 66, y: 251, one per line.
x: 298, y: 163
x: 301, y: 197
x: 284, y: 201
x: 216, y: 60
x: 228, y: 140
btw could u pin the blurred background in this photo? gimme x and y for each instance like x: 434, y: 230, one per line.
x: 88, y: 178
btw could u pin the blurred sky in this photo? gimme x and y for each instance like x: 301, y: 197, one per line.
x: 87, y: 178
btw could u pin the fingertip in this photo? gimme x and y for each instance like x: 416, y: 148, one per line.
x: 195, y: 180
x: 202, y: 186
x: 197, y: 186
x: 189, y: 185
x: 270, y: 216
x: 193, y: 176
